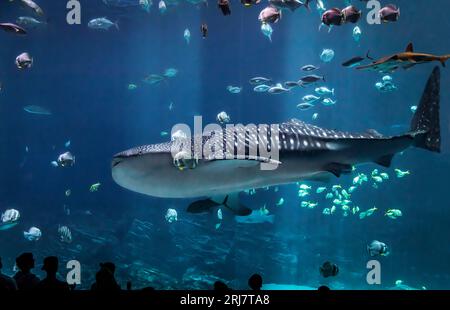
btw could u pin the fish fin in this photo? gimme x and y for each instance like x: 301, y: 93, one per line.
x: 202, y: 206
x: 385, y: 161
x: 410, y: 65
x: 443, y: 59
x: 307, y: 5
x: 117, y: 25
x: 425, y: 124
x: 337, y: 168
x: 233, y: 204
x: 270, y: 218
x: 410, y: 48
x: 368, y: 57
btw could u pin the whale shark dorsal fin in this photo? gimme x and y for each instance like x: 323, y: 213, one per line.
x: 409, y: 48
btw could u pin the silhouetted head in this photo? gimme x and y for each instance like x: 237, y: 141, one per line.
x: 51, y: 264
x: 220, y: 286
x: 255, y: 282
x: 323, y: 289
x: 111, y: 267
x: 25, y: 262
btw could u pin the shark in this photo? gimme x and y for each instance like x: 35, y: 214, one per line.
x: 306, y: 153
x: 405, y: 60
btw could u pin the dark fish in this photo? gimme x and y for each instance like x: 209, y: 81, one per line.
x: 351, y: 14
x: 290, y: 84
x: 389, y: 13
x: 204, y: 29
x: 329, y: 270
x: 10, y: 27
x: 224, y: 6
x: 333, y: 16
x: 312, y: 78
x: 355, y: 61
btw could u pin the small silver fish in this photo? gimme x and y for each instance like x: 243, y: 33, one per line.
x: 277, y: 89
x: 309, y: 68
x: 261, y: 88
x: 305, y: 106
x: 260, y: 80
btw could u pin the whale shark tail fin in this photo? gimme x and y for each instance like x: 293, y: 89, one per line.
x: 425, y: 124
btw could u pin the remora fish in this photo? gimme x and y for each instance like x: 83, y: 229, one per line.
x: 403, y: 60
x: 306, y: 152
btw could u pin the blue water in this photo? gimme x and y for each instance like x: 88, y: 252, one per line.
x: 81, y: 75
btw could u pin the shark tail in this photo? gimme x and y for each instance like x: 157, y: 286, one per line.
x: 443, y: 59
x: 425, y: 125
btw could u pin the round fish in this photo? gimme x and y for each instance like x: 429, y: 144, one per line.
x: 333, y: 17
x: 269, y: 15
x: 327, y: 55
x: 24, y: 61
x: 351, y: 14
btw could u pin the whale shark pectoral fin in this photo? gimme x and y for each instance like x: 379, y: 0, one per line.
x: 385, y: 161
x: 202, y: 206
x: 337, y: 168
x: 232, y: 203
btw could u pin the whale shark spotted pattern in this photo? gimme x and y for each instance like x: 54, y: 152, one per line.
x: 306, y: 152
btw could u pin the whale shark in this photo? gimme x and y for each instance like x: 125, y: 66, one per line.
x: 306, y: 152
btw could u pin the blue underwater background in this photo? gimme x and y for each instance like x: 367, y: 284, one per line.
x: 82, y: 76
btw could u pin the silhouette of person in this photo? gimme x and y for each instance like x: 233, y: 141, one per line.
x: 104, y: 278
x: 323, y: 289
x: 6, y: 283
x: 220, y: 286
x: 25, y: 280
x: 255, y: 282
x: 51, y: 282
